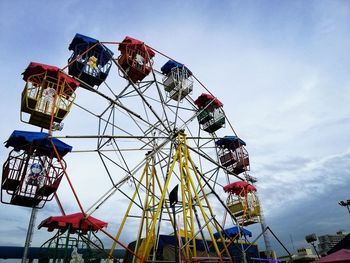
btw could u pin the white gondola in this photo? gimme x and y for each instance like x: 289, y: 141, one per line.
x: 178, y: 82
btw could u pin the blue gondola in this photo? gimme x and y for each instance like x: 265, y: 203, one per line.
x: 232, y: 154
x: 177, y: 81
x: 230, y: 142
x: 171, y: 64
x: 90, y: 63
x: 32, y: 172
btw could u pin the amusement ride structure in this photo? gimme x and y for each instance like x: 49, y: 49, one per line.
x: 163, y: 140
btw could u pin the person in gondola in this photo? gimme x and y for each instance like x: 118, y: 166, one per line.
x: 35, y: 174
x: 47, y: 99
x: 139, y: 59
x: 92, y: 67
x: 76, y: 257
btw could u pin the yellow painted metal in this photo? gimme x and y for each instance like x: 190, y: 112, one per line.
x: 127, y: 212
x: 206, y: 219
x: 147, y: 214
x: 154, y: 205
x: 186, y: 193
x: 236, y: 207
x: 183, y: 198
x: 245, y: 208
x: 162, y: 198
x: 190, y: 196
x: 39, y: 106
x: 145, y: 248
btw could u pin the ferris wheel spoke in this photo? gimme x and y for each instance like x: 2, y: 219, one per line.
x: 141, y: 129
x: 210, y: 178
x: 117, y: 103
x: 163, y: 108
x: 152, y: 110
x: 106, y: 168
x: 121, y: 94
x: 214, y: 162
x: 107, y: 121
x: 140, y: 204
x: 145, y: 111
x: 150, y: 126
x: 162, y: 102
x: 121, y: 155
x: 144, y: 86
x: 112, y: 124
x: 142, y: 97
x: 180, y: 108
x: 136, y: 122
x: 110, y: 89
x: 117, y: 185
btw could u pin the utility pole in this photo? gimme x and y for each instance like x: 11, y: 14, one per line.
x: 265, y: 234
x: 29, y: 234
x: 263, y: 225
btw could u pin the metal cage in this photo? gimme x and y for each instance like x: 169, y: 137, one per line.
x: 24, y: 187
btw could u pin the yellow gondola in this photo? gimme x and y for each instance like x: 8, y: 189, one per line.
x: 243, y: 203
x: 48, y: 92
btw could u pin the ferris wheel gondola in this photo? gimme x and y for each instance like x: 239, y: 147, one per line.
x: 178, y: 80
x: 243, y: 203
x: 90, y: 61
x: 47, y: 96
x: 75, y: 239
x: 33, y: 170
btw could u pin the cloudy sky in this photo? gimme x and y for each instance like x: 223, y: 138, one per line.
x: 279, y: 67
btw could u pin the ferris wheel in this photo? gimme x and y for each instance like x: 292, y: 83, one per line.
x: 163, y: 139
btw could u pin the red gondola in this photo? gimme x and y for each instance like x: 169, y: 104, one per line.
x: 210, y: 116
x: 135, y: 59
x: 73, y: 222
x: 75, y: 239
x: 243, y: 202
x: 239, y: 188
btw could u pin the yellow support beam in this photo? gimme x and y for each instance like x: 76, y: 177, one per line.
x: 127, y: 213
x: 217, y: 227
x: 161, y: 201
x: 154, y: 203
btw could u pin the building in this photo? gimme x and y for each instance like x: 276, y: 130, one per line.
x: 327, y: 242
x: 304, y: 255
x: 343, y: 244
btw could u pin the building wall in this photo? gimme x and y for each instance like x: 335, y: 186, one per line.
x: 326, y: 242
